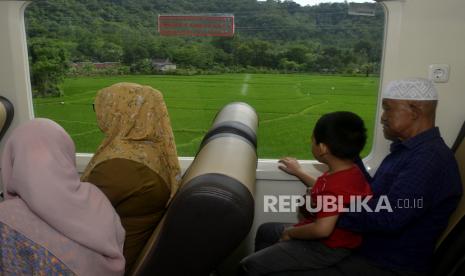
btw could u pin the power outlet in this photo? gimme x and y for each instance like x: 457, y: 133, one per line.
x: 439, y: 72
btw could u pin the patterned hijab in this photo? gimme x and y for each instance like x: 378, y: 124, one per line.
x: 137, y: 127
x: 46, y: 202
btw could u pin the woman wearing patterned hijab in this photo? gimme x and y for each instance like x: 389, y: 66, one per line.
x: 136, y: 165
x: 50, y: 222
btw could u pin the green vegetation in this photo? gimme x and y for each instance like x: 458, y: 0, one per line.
x: 67, y: 38
x: 271, y: 36
x: 288, y: 106
x: 49, y: 63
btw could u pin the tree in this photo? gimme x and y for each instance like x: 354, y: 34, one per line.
x: 134, y: 53
x: 49, y: 64
x: 143, y: 66
x: 363, y: 46
x: 329, y: 60
x: 288, y: 65
x: 297, y: 53
x: 254, y: 52
x: 316, y: 38
x: 243, y: 54
x: 368, y: 68
x: 110, y: 52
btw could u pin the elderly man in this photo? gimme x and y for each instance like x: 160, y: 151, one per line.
x: 420, y: 180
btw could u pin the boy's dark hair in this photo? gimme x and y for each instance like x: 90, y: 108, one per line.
x: 343, y: 132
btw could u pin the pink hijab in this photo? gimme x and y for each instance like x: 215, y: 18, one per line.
x: 46, y: 202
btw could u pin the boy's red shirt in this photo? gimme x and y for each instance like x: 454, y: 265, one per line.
x: 346, y: 183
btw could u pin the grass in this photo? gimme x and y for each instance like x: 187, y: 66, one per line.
x: 288, y: 106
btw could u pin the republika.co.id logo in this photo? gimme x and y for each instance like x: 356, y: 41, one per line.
x: 330, y: 203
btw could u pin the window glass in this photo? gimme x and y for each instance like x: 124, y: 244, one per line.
x: 292, y: 62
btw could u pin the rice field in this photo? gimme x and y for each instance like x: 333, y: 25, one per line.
x: 288, y: 106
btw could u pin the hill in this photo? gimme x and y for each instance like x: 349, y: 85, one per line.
x: 270, y: 36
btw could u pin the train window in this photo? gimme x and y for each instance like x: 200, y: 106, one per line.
x: 291, y: 60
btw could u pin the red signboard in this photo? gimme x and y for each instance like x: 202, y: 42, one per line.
x: 196, y: 25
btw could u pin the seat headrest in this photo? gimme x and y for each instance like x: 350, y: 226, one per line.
x: 450, y: 247
x: 459, y: 151
x: 213, y: 210
x: 238, y: 118
x: 6, y: 115
x: 460, y: 138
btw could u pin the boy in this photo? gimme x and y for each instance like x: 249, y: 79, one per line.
x: 315, y: 242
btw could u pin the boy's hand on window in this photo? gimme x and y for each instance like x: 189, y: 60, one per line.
x: 290, y: 165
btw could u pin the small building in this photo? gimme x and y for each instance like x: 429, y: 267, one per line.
x: 163, y: 65
x: 96, y: 65
x: 105, y: 65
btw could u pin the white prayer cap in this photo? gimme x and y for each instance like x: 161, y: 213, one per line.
x: 417, y: 89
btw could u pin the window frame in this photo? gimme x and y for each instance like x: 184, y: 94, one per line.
x: 267, y: 169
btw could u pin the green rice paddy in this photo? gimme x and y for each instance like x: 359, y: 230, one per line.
x: 287, y: 105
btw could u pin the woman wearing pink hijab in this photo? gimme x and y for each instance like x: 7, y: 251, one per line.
x: 51, y: 223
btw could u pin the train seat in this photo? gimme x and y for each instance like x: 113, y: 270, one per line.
x: 214, y: 208
x: 6, y: 115
x: 449, y: 258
